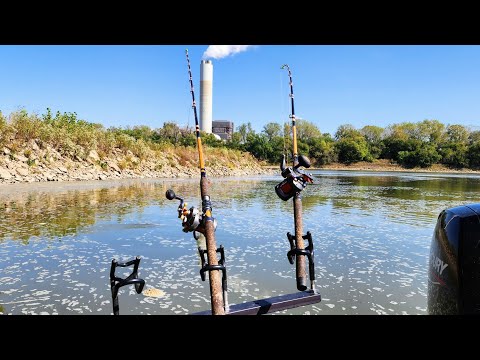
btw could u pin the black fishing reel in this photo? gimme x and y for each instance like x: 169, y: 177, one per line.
x: 192, y: 219
x: 295, y: 179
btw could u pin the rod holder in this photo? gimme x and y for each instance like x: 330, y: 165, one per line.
x: 116, y: 282
x: 308, y: 252
x: 221, y: 266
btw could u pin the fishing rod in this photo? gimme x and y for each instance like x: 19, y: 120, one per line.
x: 295, y: 180
x: 204, y: 223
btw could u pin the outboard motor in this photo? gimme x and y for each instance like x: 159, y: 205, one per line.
x: 454, y: 264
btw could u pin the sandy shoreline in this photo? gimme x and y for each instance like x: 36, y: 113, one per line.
x: 385, y: 166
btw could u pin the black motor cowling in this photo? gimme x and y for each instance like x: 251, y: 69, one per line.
x: 454, y: 263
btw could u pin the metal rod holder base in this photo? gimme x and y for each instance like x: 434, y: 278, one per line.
x: 221, y: 266
x: 308, y: 252
x: 273, y: 304
x: 116, y: 282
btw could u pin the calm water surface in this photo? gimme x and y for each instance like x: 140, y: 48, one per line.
x: 371, y: 232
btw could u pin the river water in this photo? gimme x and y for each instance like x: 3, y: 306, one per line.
x: 371, y: 233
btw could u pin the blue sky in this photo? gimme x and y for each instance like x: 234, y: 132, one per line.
x: 333, y: 84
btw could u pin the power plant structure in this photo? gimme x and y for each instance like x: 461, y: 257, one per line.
x: 222, y: 129
x: 206, y: 82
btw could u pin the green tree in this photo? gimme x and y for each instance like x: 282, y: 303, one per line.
x: 306, y: 133
x: 430, y: 131
x: 345, y: 131
x: 244, y: 130
x: 171, y: 132
x: 474, y: 137
x: 272, y: 130
x: 473, y: 154
x: 306, y: 130
x: 276, y: 150
x: 322, y: 150
x: 454, y: 147
x: 372, y: 133
x: 351, y: 145
x: 351, y: 149
x: 211, y: 140
x: 235, y: 142
x: 454, y: 154
x: 188, y: 139
x: 457, y: 134
x: 399, y: 137
x: 373, y: 136
x: 140, y: 132
x: 424, y: 156
x: 303, y: 148
x: 258, y: 145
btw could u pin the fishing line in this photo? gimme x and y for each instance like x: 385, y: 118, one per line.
x: 283, y: 111
x: 189, y: 109
x: 189, y: 117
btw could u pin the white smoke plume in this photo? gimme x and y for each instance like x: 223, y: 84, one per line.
x: 221, y: 51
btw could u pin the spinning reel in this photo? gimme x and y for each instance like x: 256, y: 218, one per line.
x: 295, y: 179
x: 192, y: 219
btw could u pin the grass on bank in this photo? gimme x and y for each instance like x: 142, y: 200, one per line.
x: 74, y: 138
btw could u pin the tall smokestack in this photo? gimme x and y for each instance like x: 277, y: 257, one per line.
x: 206, y: 80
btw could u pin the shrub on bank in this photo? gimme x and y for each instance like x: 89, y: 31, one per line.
x: 75, y: 138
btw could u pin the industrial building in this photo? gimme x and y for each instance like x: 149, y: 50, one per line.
x: 223, y: 128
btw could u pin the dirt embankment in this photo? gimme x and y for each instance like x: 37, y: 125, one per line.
x: 34, y: 163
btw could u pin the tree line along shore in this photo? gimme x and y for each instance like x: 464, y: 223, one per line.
x: 61, y: 147
x: 408, y: 145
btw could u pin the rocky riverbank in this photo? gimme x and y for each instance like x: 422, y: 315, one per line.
x: 34, y: 163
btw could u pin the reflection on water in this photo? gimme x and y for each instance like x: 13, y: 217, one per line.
x: 371, y: 233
